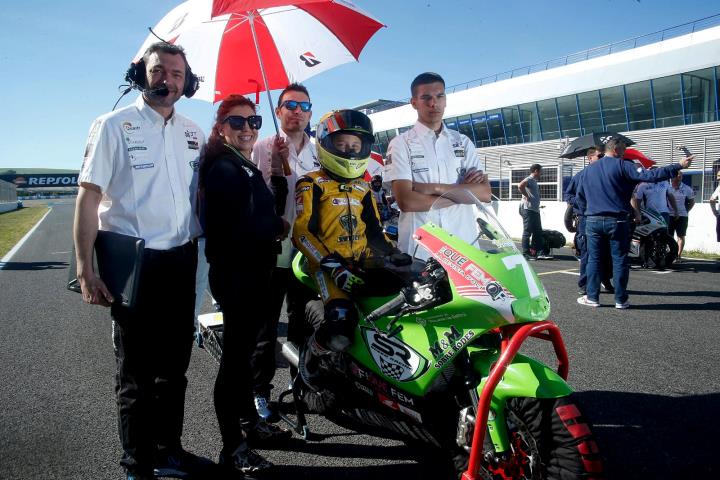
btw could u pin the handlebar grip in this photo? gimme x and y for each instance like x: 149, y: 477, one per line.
x: 382, y: 310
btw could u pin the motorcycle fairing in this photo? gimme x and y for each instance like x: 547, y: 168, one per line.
x: 394, y: 358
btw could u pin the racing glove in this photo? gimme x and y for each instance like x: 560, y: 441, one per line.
x: 338, y: 269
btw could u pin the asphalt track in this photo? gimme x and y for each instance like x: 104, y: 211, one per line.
x: 647, y: 378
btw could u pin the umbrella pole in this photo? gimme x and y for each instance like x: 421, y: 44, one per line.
x: 251, y: 19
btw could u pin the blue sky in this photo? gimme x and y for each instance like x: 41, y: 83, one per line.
x: 62, y: 61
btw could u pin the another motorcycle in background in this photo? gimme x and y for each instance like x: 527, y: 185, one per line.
x: 651, y: 243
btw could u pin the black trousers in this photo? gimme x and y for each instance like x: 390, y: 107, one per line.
x: 153, y: 343
x: 283, y: 283
x: 242, y: 297
x: 532, y: 227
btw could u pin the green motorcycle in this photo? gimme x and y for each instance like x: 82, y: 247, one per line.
x: 431, y: 363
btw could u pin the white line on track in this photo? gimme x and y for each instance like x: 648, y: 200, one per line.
x: 17, y: 246
x: 560, y: 271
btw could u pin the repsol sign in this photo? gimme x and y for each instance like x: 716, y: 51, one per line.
x: 42, y: 180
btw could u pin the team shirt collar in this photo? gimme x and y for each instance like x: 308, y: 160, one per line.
x: 424, y: 131
x: 147, y: 112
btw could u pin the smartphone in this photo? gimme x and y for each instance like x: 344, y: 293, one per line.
x: 684, y: 149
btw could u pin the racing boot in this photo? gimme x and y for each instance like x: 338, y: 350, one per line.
x: 309, y: 363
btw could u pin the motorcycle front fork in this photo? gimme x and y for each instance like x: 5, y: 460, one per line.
x: 496, y: 441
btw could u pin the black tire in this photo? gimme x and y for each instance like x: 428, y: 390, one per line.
x: 664, y: 251
x: 550, y: 440
x: 570, y: 219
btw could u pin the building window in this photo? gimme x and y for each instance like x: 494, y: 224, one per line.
x: 568, y: 115
x: 465, y: 127
x: 511, y: 119
x: 613, y: 107
x: 530, y: 123
x: 548, y: 119
x: 451, y: 123
x: 639, y: 105
x: 547, y: 183
x: 590, y: 112
x: 668, y: 103
x: 479, y: 126
x: 495, y: 125
x: 699, y: 96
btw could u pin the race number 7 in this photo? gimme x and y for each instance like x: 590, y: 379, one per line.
x: 513, y: 261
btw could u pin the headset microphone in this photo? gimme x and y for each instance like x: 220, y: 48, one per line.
x: 161, y: 91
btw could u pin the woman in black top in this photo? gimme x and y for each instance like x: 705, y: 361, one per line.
x: 242, y: 229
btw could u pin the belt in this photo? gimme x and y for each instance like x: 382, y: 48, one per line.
x: 188, y: 247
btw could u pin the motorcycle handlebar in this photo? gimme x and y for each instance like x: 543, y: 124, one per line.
x: 390, y: 306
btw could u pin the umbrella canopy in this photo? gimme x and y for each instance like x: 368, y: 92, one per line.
x: 580, y: 146
x: 638, y: 157
x: 248, y: 46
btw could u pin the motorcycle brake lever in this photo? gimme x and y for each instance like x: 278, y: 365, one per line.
x: 396, y: 330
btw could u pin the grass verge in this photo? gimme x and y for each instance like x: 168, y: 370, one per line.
x: 14, y: 225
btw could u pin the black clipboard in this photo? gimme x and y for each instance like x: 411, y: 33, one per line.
x: 117, y: 259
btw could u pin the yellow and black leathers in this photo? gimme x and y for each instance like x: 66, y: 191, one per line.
x: 338, y: 217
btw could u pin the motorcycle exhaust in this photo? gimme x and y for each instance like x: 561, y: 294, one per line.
x: 291, y: 354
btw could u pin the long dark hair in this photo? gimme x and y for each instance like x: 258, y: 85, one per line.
x: 216, y: 144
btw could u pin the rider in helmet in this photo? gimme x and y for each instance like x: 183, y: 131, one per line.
x: 338, y: 229
x: 380, y: 198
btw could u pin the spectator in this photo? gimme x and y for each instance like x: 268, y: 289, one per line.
x: 684, y: 200
x: 533, y: 243
x: 593, y: 154
x: 291, y: 147
x: 713, y: 206
x: 606, y: 189
x: 428, y: 161
x: 381, y: 199
x: 141, y: 163
x: 654, y: 196
x: 242, y: 229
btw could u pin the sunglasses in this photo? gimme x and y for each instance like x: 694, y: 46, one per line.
x: 293, y: 104
x: 237, y: 122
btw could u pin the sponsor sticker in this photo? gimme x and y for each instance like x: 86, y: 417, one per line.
x: 195, y: 165
x: 394, y: 358
x: 193, y: 145
x: 310, y: 247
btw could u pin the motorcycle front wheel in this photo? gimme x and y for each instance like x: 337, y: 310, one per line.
x: 664, y: 251
x: 549, y: 439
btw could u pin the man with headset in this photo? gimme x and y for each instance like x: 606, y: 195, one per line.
x: 139, y: 178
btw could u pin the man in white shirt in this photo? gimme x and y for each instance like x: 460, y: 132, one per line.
x: 283, y: 158
x: 139, y: 178
x: 655, y: 196
x: 428, y: 161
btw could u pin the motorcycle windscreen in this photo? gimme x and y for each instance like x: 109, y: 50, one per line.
x: 482, y: 261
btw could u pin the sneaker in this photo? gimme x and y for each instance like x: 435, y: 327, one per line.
x: 622, y: 306
x: 265, y: 434
x: 587, y: 302
x: 139, y: 476
x: 608, y: 288
x: 582, y: 291
x: 181, y: 464
x: 530, y: 258
x: 244, y: 460
x: 545, y: 256
x: 262, y: 407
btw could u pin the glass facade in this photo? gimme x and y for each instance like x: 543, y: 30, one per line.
x: 685, y: 99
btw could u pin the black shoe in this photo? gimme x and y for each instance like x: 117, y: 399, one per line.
x: 265, y: 434
x: 181, y: 464
x: 608, y: 288
x: 244, y: 460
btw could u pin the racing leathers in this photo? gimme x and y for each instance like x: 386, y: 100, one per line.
x: 338, y: 230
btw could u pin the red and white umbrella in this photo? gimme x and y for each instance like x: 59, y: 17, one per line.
x: 638, y: 157
x: 248, y: 46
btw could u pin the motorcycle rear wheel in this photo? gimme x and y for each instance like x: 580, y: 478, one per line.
x: 549, y: 439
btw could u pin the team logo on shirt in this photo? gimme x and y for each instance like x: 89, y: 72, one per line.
x: 195, y: 165
x: 129, y: 128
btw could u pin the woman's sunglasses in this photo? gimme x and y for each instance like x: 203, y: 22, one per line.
x: 293, y: 104
x: 237, y: 122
